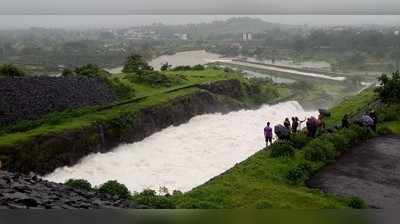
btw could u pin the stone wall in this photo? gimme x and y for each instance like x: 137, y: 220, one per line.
x: 31, y: 97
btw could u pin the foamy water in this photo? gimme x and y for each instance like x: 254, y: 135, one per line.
x: 184, y: 156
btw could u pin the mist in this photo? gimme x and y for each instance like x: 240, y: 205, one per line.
x: 123, y: 21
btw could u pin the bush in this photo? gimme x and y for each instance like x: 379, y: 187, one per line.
x: 10, y: 70
x: 79, y: 184
x: 282, y: 149
x: 114, y: 188
x: 357, y: 203
x: 91, y: 70
x: 299, y: 140
x: 153, y: 78
x: 320, y: 150
x: 148, y: 197
x: 198, y: 67
x: 389, y: 113
x: 389, y: 90
x: 299, y: 174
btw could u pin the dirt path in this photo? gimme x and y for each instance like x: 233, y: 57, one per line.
x: 370, y: 171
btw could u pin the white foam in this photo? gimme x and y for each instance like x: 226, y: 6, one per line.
x: 184, y: 156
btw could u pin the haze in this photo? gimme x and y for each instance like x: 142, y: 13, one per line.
x: 121, y: 21
x: 198, y: 7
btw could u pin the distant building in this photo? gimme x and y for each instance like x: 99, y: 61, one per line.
x: 247, y: 36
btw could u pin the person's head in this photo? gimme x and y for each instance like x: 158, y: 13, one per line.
x: 268, y: 124
x: 293, y: 118
x: 287, y: 119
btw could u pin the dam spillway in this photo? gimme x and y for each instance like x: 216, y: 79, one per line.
x: 185, y: 156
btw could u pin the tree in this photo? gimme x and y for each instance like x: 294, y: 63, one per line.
x: 165, y: 66
x: 389, y: 90
x: 91, y: 70
x: 136, y: 64
x: 67, y: 72
x: 11, y: 71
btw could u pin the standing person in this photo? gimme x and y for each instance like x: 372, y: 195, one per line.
x: 295, y: 124
x: 372, y: 114
x: 268, y: 134
x: 287, y: 124
x: 311, y: 126
x: 345, y: 121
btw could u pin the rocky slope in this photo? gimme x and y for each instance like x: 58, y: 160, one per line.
x: 31, y: 97
x: 19, y: 191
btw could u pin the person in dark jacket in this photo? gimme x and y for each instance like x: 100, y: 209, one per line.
x: 374, y: 117
x: 295, y: 124
x: 286, y: 123
x: 345, y: 121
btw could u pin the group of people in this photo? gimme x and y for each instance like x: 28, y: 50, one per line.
x: 284, y: 131
x: 313, y: 124
x: 369, y: 120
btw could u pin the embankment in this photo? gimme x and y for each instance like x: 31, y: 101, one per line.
x: 45, y: 153
x: 23, y: 98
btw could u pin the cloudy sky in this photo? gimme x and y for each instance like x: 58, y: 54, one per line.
x: 199, y: 7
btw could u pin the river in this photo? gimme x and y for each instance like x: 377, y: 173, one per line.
x: 185, y: 156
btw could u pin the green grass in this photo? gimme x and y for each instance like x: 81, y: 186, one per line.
x: 258, y: 181
x: 392, y: 127
x: 351, y: 106
x: 89, y: 118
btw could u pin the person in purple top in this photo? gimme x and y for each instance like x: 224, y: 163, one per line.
x: 268, y: 134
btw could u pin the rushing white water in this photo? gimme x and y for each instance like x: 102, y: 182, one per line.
x: 184, y: 156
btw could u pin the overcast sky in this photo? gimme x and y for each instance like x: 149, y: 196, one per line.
x: 198, y: 6
x: 122, y: 21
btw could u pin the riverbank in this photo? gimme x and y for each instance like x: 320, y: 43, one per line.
x: 41, y: 146
x: 262, y: 180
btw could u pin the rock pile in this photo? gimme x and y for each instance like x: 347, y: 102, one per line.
x: 19, y: 191
x: 30, y: 97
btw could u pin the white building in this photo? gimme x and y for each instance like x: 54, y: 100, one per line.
x: 247, y: 36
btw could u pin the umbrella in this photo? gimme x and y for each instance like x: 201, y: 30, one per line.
x: 367, y: 121
x: 324, y: 112
x: 281, y: 131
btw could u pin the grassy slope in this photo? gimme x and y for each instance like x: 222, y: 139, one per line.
x: 59, y: 122
x: 259, y: 181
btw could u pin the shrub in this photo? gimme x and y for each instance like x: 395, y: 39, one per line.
x: 299, y: 140
x: 153, y: 78
x: 357, y: 203
x: 389, y: 90
x: 79, y: 184
x: 11, y: 71
x: 282, y: 149
x: 91, y: 70
x: 114, y: 188
x: 299, y: 174
x: 148, y: 197
x: 198, y: 67
x: 135, y: 63
x: 389, y: 113
x: 320, y: 150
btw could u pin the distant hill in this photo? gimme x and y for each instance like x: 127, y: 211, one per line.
x: 233, y: 25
